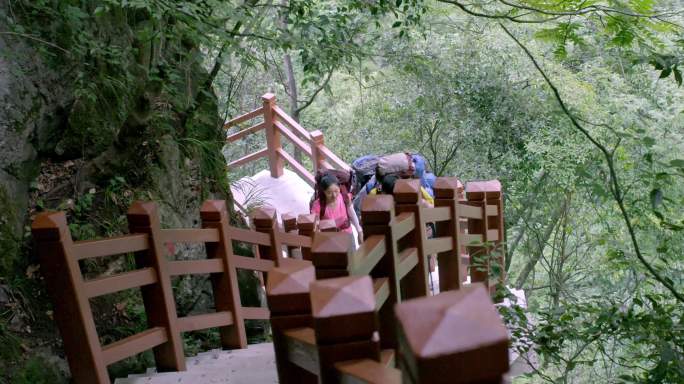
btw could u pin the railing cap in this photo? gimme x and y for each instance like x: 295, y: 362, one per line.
x: 289, y: 216
x: 289, y: 221
x: 377, y: 209
x: 332, y: 249
x: 269, y: 98
x: 342, y: 296
x: 407, y: 191
x: 463, y: 324
x: 306, y: 222
x: 50, y: 226
x: 214, y: 210
x: 332, y: 243
x: 317, y: 136
x: 447, y: 187
x: 264, y: 217
x: 478, y: 190
x: 291, y: 277
x: 327, y: 225
x: 142, y: 213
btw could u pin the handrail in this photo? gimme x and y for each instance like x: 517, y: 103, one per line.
x: 298, y: 129
x: 251, y: 157
x: 436, y: 214
x: 368, y: 255
x: 195, y: 267
x: 301, y: 171
x: 191, y: 235
x: 205, y: 321
x: 247, y: 116
x: 276, y: 123
x: 248, y: 131
x: 293, y: 138
x: 336, y: 161
x: 133, y: 345
x: 127, y: 280
x: 88, y: 249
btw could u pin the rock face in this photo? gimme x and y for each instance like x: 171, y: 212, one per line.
x: 31, y: 99
x: 128, y: 113
x: 136, y: 131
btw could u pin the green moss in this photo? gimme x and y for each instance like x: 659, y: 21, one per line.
x: 9, y: 241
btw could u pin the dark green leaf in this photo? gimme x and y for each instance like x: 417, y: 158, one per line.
x: 665, y: 73
x: 648, y: 141
x: 656, y: 198
x: 679, y: 163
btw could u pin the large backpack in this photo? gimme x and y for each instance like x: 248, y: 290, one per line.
x: 399, y: 164
x: 421, y: 165
x: 364, y: 169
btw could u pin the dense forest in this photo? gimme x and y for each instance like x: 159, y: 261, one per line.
x: 576, y: 106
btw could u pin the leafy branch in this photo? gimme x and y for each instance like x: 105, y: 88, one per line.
x: 31, y: 37
x: 551, y: 15
x: 609, y: 156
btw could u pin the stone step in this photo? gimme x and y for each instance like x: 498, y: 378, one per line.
x: 253, y: 365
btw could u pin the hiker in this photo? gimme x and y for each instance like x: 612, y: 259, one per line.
x: 387, y: 187
x: 334, y: 203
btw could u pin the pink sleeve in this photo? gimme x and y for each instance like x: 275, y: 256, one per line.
x: 316, y: 207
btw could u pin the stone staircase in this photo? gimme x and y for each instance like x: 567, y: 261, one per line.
x: 253, y: 365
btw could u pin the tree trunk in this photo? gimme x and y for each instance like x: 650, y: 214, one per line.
x: 527, y: 214
x: 540, y: 247
x: 293, y: 97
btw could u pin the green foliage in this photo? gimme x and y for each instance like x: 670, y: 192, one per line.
x: 440, y: 79
x: 38, y: 371
x: 9, y: 242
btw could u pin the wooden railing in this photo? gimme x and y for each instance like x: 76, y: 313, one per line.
x: 60, y: 255
x: 277, y: 124
x: 310, y: 345
x: 394, y: 254
x: 327, y: 313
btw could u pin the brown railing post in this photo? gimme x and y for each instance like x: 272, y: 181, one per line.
x: 451, y: 275
x: 275, y: 162
x: 345, y: 322
x: 317, y: 157
x: 458, y: 337
x: 331, y: 253
x: 265, y: 221
x: 479, y: 263
x: 377, y: 213
x: 306, y: 223
x: 287, y: 292
x: 327, y: 225
x: 407, y: 196
x: 486, y: 193
x: 72, y: 311
x: 290, y: 226
x: 225, y: 285
x: 160, y: 305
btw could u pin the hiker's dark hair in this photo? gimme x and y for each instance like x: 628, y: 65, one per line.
x: 327, y: 181
x: 387, y: 184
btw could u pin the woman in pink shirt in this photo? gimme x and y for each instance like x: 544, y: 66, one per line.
x: 334, y: 203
